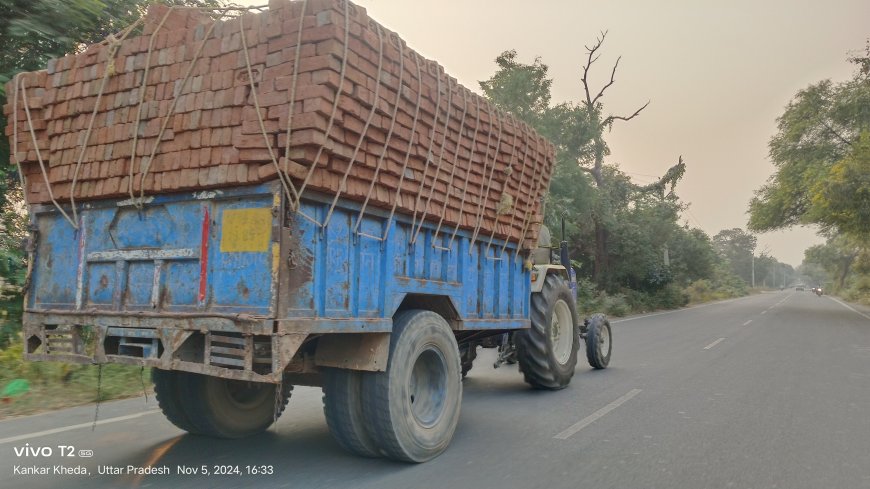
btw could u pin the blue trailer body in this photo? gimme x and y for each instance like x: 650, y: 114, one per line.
x: 236, y: 262
x: 154, y: 259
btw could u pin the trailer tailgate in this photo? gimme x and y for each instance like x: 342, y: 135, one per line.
x: 211, y: 252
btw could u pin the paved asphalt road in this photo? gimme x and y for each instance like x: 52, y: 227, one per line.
x: 768, y: 391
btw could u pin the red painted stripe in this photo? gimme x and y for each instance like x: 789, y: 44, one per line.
x: 203, y: 256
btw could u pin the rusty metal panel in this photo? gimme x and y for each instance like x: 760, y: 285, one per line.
x: 369, y: 351
x: 230, y: 354
x: 202, y: 252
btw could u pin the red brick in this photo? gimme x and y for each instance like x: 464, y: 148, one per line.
x: 216, y: 128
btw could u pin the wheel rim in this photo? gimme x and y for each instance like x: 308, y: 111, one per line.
x: 427, y: 391
x: 562, y: 332
x: 246, y: 395
x: 603, y: 341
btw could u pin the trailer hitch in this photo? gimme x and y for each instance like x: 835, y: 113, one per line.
x: 507, y: 351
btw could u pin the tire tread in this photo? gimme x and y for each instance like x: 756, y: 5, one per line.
x: 533, y: 350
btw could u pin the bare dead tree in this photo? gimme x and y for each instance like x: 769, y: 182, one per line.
x: 600, y: 123
x: 594, y: 108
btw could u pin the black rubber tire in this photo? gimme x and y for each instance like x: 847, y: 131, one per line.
x: 342, y: 405
x: 538, y: 363
x: 169, y: 398
x: 411, y: 423
x: 597, y: 324
x: 467, y: 354
x: 213, y: 411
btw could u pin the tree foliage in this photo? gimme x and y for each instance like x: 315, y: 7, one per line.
x: 522, y: 89
x: 596, y: 195
x: 838, y: 257
x: 822, y: 154
x: 737, y: 247
x: 650, y: 256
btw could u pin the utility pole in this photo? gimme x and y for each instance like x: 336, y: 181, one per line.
x: 763, y: 253
x: 753, y: 270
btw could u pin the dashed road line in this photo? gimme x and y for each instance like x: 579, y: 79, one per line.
x: 747, y: 323
x: 574, y: 428
x: 711, y: 345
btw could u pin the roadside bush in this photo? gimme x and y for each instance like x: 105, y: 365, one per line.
x: 10, y: 319
x: 667, y: 297
x: 670, y: 297
x: 587, y: 296
x: 55, y: 385
x: 858, y: 290
x: 627, y: 301
x: 705, y: 291
x: 700, y: 291
x: 614, y: 305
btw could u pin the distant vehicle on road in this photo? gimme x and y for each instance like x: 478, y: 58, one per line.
x: 799, y: 288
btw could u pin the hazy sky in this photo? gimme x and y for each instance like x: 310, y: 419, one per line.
x: 718, y: 74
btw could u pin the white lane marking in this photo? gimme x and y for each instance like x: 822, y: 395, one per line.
x: 75, y: 427
x: 711, y: 345
x: 654, y: 314
x: 574, y: 428
x: 747, y: 323
x: 847, y: 306
x: 763, y: 312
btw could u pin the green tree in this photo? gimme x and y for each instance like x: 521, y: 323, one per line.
x: 841, y: 200
x: 737, y: 247
x: 822, y: 153
x: 812, y: 273
x: 692, y: 255
x: 837, y: 256
x: 593, y: 161
x: 609, y: 220
x: 13, y: 223
x: 522, y: 89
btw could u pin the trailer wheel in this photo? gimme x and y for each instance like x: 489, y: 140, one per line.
x: 547, y: 352
x: 467, y: 354
x: 169, y: 398
x: 342, y: 405
x: 413, y: 407
x: 598, y: 341
x: 226, y: 408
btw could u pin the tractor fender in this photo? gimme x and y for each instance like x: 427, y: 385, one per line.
x: 540, y: 272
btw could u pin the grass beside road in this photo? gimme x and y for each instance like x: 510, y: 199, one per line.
x: 55, y: 385
x: 628, y: 302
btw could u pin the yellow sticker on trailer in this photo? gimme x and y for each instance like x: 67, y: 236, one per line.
x: 246, y: 230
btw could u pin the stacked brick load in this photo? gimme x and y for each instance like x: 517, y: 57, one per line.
x: 429, y: 146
